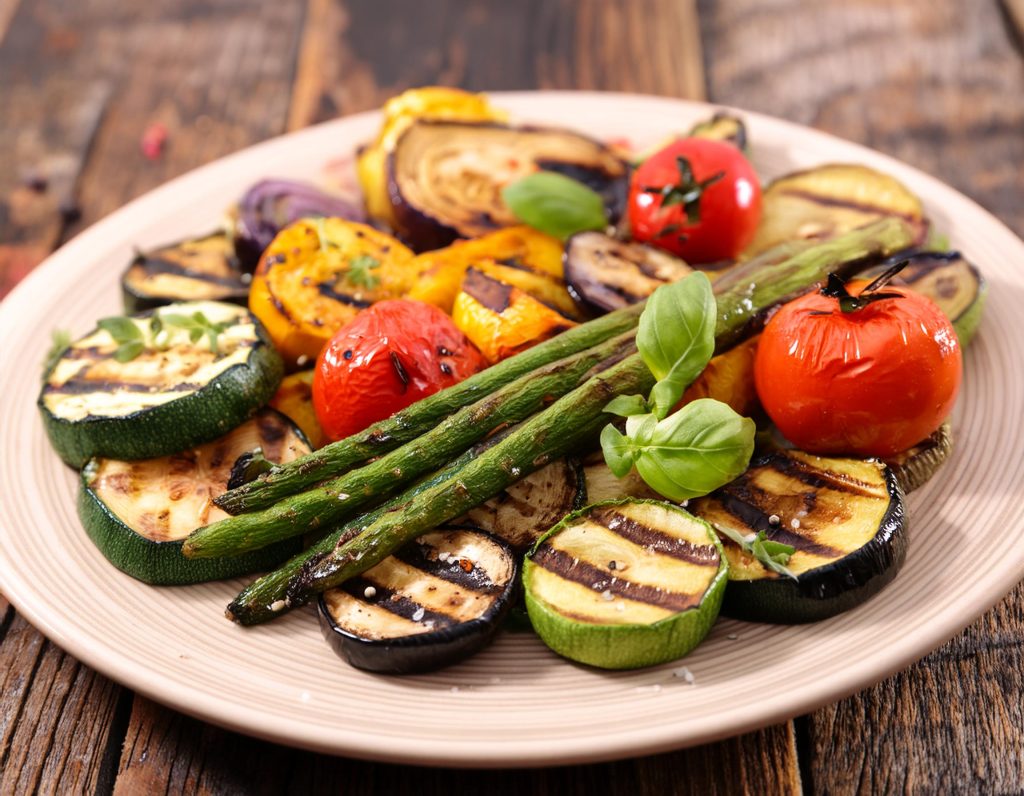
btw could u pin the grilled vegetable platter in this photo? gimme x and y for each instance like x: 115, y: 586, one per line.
x: 526, y: 381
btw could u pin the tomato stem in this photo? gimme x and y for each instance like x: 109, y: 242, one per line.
x: 687, y: 192
x: 836, y: 288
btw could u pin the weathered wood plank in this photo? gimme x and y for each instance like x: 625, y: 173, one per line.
x: 56, y: 716
x: 349, y: 62
x: 81, y: 84
x: 939, y: 84
x: 165, y: 752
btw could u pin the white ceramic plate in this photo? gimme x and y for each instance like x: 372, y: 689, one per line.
x: 516, y: 704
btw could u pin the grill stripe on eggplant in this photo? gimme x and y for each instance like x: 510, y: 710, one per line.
x: 826, y: 508
x: 443, y: 579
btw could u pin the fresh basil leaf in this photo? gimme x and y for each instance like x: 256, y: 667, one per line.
x: 626, y: 405
x: 122, y: 329
x: 618, y: 451
x: 676, y: 337
x: 555, y: 204
x: 176, y: 319
x: 129, y: 350
x: 640, y: 428
x: 698, y: 449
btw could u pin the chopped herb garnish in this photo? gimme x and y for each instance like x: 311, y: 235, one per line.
x: 773, y: 555
x: 60, y: 339
x: 197, y: 325
x: 127, y: 335
x: 359, y: 271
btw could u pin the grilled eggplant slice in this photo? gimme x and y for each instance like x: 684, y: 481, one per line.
x: 167, y: 398
x: 608, y: 274
x: 915, y: 466
x: 445, y: 177
x: 271, y: 205
x: 949, y: 280
x: 526, y: 510
x: 317, y: 275
x: 502, y: 320
x: 845, y: 517
x: 435, y: 602
x: 137, y: 513
x: 198, y: 269
x: 831, y: 200
x: 625, y: 584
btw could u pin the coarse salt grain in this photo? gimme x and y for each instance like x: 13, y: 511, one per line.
x: 418, y: 614
x: 278, y: 605
x: 607, y: 595
x: 369, y: 592
x: 774, y: 519
x: 683, y: 673
x: 795, y: 522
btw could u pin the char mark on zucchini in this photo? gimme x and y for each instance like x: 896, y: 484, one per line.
x: 652, y: 539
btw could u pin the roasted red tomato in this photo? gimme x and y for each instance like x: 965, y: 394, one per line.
x: 697, y: 198
x: 859, y: 373
x: 388, y: 357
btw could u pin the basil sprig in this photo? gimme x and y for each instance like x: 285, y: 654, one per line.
x: 555, y: 204
x: 131, y: 340
x: 703, y: 445
x: 773, y: 555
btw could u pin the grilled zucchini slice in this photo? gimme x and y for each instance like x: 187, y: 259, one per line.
x: 625, y: 584
x: 845, y: 517
x: 198, y: 269
x: 602, y: 484
x: 831, y: 200
x: 526, y: 510
x: 435, y: 602
x: 722, y: 127
x: 167, y: 398
x: 138, y: 513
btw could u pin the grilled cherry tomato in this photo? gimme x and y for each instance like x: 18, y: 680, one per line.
x: 697, y: 198
x: 864, y: 373
x: 388, y: 357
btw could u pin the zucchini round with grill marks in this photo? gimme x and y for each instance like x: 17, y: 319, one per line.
x: 168, y: 397
x: 137, y: 513
x: 436, y: 601
x: 914, y: 466
x: 199, y: 269
x: 831, y: 200
x: 844, y: 517
x: 625, y: 584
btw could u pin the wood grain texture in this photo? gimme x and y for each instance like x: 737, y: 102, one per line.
x: 348, y: 61
x: 57, y: 717
x: 940, y: 84
x: 166, y: 752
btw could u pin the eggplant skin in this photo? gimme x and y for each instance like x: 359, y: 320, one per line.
x: 432, y: 650
x: 826, y: 591
x: 424, y: 227
x: 424, y: 652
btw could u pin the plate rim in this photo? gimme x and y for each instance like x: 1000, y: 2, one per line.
x: 487, y: 754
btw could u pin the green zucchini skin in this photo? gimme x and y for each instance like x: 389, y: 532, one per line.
x: 829, y: 590
x: 210, y: 412
x: 162, y: 563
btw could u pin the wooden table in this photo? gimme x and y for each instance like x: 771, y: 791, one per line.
x: 939, y: 83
